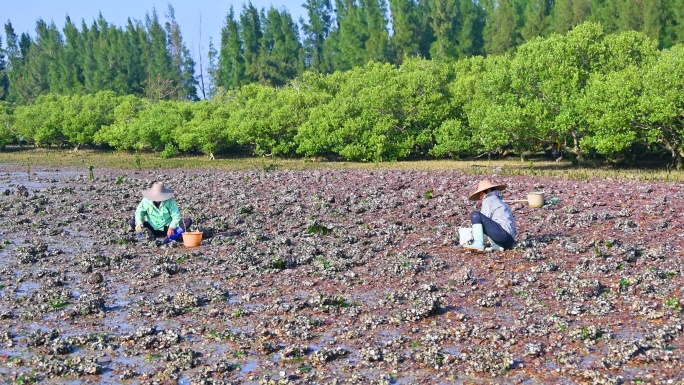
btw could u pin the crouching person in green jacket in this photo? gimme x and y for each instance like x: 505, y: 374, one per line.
x: 158, y: 212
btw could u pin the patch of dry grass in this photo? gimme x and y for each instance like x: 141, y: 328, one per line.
x: 126, y: 160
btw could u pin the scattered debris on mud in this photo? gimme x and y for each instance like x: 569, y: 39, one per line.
x: 324, y: 277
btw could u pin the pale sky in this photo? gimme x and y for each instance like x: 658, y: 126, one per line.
x: 23, y: 15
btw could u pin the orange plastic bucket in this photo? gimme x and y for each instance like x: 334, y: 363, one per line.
x: 192, y: 238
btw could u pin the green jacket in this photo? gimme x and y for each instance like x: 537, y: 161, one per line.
x: 167, y: 214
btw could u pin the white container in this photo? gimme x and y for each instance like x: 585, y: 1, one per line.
x: 465, y: 235
x: 536, y: 199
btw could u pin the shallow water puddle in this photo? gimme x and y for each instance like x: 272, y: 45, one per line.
x: 38, y: 179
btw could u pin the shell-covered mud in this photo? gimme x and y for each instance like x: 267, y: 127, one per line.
x: 326, y: 277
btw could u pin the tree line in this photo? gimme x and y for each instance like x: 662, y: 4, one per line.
x: 146, y: 59
x: 267, y: 46
x: 584, y: 94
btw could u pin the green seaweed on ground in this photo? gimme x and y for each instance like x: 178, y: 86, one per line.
x: 318, y: 229
x: 428, y: 194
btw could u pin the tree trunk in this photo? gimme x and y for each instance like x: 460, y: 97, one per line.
x: 524, y: 155
x: 675, y: 150
x: 576, y: 147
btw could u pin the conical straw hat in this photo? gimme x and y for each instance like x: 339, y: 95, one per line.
x: 158, y: 193
x: 484, y: 185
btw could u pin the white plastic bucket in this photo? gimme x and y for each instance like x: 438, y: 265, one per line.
x: 465, y: 235
x: 535, y: 199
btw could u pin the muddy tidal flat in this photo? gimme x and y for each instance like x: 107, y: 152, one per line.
x: 337, y: 277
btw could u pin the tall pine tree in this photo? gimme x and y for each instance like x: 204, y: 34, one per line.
x: 536, y: 19
x: 269, y: 67
x: 175, y: 48
x: 212, y: 68
x: 230, y: 69
x: 182, y: 65
x: 426, y: 33
x: 630, y: 15
x: 90, y: 37
x: 133, y: 59
x: 471, y: 25
x: 145, y: 46
x: 673, y: 23
x: 444, y: 16
x: 501, y: 32
x: 288, y: 47
x: 405, y: 39
x: 653, y: 17
x: 188, y: 78
x: 316, y: 32
x: 4, y: 82
x: 15, y: 62
x: 37, y: 64
x: 105, y: 64
x: 71, y: 72
x: 604, y: 12
x: 353, y: 34
x: 567, y: 14
x: 162, y: 84
x: 250, y: 32
x: 377, y: 44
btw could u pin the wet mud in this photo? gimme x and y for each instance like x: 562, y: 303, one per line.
x: 331, y: 277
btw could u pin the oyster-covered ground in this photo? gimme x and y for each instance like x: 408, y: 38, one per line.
x: 323, y: 277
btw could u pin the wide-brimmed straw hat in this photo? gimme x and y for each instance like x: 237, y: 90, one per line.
x: 158, y: 193
x: 484, y: 185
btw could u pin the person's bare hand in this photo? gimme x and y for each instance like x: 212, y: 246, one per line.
x: 139, y: 228
x: 169, y: 232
